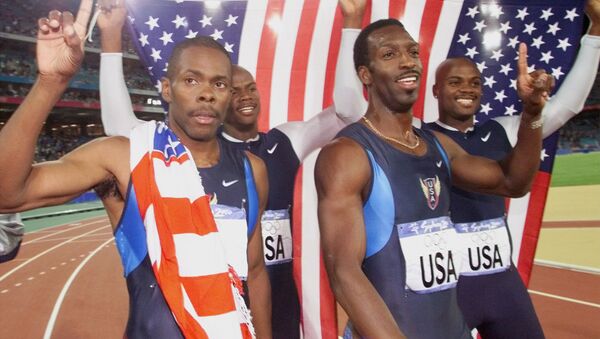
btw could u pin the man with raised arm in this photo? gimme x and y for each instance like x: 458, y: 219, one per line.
x: 283, y: 148
x: 491, y: 294
x: 182, y: 265
x: 384, y: 195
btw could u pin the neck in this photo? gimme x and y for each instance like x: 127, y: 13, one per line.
x: 460, y: 124
x: 390, y: 123
x: 206, y: 153
x: 241, y: 132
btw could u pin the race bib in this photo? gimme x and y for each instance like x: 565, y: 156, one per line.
x: 485, y: 246
x: 430, y: 254
x: 277, y: 236
x: 233, y: 230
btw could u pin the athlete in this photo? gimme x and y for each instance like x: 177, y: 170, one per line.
x: 384, y: 188
x: 482, y: 294
x: 181, y: 264
x: 491, y: 294
x: 282, y: 149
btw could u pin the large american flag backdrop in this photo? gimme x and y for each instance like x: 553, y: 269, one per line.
x: 292, y: 46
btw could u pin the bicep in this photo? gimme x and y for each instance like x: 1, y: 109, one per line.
x: 339, y: 188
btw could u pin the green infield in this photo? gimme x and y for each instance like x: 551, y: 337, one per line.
x: 576, y: 169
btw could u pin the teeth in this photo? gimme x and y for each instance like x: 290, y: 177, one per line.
x: 408, y: 80
x: 465, y: 101
x: 246, y: 109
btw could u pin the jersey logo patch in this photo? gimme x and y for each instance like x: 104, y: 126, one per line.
x: 228, y: 183
x: 431, y: 189
x: 487, y: 136
x: 438, y: 164
x: 272, y: 150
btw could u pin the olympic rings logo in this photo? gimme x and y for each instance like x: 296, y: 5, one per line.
x: 482, y: 238
x: 435, y: 240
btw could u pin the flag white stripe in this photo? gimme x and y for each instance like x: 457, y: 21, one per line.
x: 171, y: 184
x: 380, y: 9
x: 310, y: 252
x: 251, y: 34
x: 413, y: 14
x: 517, y: 214
x: 282, y: 63
x: 439, y: 51
x: 190, y: 247
x: 317, y: 59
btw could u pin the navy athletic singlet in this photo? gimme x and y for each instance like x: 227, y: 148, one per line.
x: 282, y: 163
x: 234, y: 202
x: 491, y: 294
x: 410, y: 242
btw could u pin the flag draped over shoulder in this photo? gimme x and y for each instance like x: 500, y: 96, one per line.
x: 291, y: 47
x: 184, y: 243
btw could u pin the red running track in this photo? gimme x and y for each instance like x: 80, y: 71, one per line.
x: 67, y: 282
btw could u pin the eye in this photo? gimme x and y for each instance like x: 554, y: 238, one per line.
x: 221, y: 84
x: 388, y: 54
x: 476, y: 84
x: 414, y: 53
x: 191, y: 81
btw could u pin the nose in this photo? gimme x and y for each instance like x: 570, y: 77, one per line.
x: 206, y: 94
x: 407, y: 61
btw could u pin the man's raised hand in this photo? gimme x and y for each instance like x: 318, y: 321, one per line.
x: 535, y: 87
x: 60, y: 42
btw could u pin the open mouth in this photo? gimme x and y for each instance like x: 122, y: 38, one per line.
x: 247, y: 109
x: 466, y: 102
x: 408, y: 81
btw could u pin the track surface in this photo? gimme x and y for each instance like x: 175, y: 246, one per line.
x: 67, y: 283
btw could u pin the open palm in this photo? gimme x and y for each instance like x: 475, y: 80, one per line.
x: 60, y: 42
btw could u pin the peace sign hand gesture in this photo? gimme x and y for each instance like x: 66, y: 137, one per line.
x: 60, y: 43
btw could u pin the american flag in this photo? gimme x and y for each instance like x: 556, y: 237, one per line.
x: 292, y: 46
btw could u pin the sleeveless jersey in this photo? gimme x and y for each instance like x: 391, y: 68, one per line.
x: 282, y: 163
x: 480, y: 219
x: 234, y: 204
x: 410, y: 241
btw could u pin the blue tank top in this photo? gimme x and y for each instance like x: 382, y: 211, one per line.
x: 480, y: 219
x: 235, y: 207
x: 409, y: 238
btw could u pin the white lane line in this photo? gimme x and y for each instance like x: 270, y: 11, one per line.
x: 65, y: 289
x: 561, y: 265
x: 59, y: 232
x: 554, y: 296
x: 47, y: 251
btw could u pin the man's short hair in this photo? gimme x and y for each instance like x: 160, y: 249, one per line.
x: 201, y: 41
x: 361, y: 46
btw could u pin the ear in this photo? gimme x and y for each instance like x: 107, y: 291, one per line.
x: 435, y: 90
x: 165, y: 86
x: 365, y: 75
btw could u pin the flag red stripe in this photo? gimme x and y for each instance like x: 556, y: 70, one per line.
x: 396, y: 10
x: 266, y: 57
x: 334, y: 49
x: 429, y: 23
x: 367, y: 15
x: 533, y: 223
x: 300, y: 61
x: 328, y: 303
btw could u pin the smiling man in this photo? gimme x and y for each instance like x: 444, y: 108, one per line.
x: 384, y: 195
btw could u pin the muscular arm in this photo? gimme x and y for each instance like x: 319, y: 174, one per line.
x: 116, y: 108
x: 339, y: 188
x: 258, y: 281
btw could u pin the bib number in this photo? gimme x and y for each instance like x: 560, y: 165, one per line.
x: 277, y: 237
x: 429, y: 248
x: 485, y: 246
